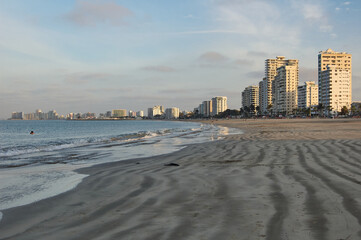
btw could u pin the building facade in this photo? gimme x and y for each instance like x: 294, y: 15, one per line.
x: 119, y: 113
x: 334, y: 79
x: 17, y: 115
x: 262, y: 96
x: 155, y: 111
x: 219, y: 104
x: 285, y: 90
x: 140, y: 114
x: 271, y: 66
x: 207, y: 108
x: 172, y: 113
x: 250, y: 98
x: 336, y: 90
x: 308, y: 95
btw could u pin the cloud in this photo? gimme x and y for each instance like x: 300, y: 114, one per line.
x: 307, y: 74
x: 259, y: 19
x: 178, y: 91
x: 83, y: 77
x: 190, y: 16
x: 214, y: 31
x: 213, y: 57
x: 92, y: 13
x: 257, y: 54
x: 256, y: 74
x: 313, y: 12
x: 159, y: 68
x: 243, y: 62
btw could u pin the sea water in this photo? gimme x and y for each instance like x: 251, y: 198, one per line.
x: 41, y: 165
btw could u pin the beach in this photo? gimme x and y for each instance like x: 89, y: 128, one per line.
x: 281, y: 179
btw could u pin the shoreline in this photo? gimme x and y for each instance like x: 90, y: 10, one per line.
x: 43, y: 189
x: 258, y: 185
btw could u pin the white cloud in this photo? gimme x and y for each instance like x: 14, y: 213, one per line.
x: 258, y: 19
x: 213, y: 57
x: 314, y: 13
x: 159, y: 68
x: 92, y: 13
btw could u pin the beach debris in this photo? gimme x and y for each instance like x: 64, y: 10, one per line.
x: 171, y: 164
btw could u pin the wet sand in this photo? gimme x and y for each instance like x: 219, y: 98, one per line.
x: 282, y: 179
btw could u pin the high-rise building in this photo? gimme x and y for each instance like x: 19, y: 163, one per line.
x: 108, y: 114
x: 172, y: 113
x: 250, y: 98
x: 140, y: 114
x: 219, y: 104
x: 207, y: 108
x: 119, y: 113
x: 262, y: 96
x: 200, y: 109
x: 132, y: 114
x: 52, y: 115
x: 285, y: 89
x: 336, y: 88
x: 70, y: 116
x: 17, y: 115
x: 308, y: 95
x: 155, y: 111
x: 271, y: 66
x: 39, y: 115
x: 334, y: 79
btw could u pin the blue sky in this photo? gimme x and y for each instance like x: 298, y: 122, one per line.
x: 98, y: 55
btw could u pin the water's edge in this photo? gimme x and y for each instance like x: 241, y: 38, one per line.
x: 75, y: 174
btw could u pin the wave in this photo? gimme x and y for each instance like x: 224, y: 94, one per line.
x: 127, y: 138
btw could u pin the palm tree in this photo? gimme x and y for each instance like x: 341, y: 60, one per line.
x: 329, y: 109
x: 344, y: 110
x: 353, y: 110
x: 320, y: 108
x: 269, y: 109
x: 241, y: 111
x: 257, y: 109
x: 246, y: 110
x: 252, y: 108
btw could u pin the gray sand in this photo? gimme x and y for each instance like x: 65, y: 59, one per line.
x: 277, y: 181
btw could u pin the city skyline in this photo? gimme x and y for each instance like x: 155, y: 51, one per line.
x: 80, y: 56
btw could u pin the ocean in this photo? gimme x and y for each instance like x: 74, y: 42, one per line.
x: 41, y: 165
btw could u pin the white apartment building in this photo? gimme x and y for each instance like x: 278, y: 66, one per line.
x: 308, y: 95
x: 132, y: 113
x: 250, y: 96
x: 154, y: 111
x: 271, y: 66
x: 140, y: 114
x: 219, y: 104
x: 207, y: 108
x: 285, y: 90
x: 336, y: 88
x: 172, y: 113
x: 335, y: 79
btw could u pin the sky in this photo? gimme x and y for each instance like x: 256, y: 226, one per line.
x: 99, y: 55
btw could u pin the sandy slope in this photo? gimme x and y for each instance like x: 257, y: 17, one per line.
x: 282, y: 179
